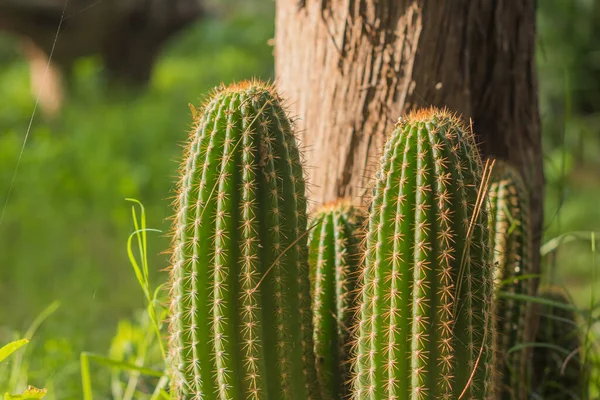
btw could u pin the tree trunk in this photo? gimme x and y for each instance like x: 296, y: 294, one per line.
x: 351, y: 68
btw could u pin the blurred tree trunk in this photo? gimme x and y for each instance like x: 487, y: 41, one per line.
x: 127, y: 34
x: 351, y: 68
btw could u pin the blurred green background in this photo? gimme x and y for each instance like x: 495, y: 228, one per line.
x: 65, y: 226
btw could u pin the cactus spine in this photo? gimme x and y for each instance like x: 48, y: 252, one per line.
x: 557, y: 358
x: 425, y: 329
x: 240, y: 323
x: 510, y: 237
x: 334, y: 261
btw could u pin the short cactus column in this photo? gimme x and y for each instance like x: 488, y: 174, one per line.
x: 334, y: 259
x: 510, y: 242
x: 426, y: 312
x: 241, y: 324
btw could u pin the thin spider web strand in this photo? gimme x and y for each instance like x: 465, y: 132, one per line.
x: 74, y: 14
x: 37, y: 100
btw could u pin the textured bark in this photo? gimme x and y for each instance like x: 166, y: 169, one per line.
x: 351, y: 68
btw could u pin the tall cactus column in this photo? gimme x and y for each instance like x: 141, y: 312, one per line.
x: 426, y: 325
x: 240, y: 303
x: 510, y: 241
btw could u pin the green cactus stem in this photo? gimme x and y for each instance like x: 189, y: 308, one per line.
x: 426, y: 312
x: 558, y: 371
x: 510, y: 242
x: 334, y: 261
x: 240, y: 325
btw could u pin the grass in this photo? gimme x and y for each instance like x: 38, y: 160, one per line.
x: 14, y: 375
x: 65, y: 225
x: 144, y: 337
x: 134, y: 345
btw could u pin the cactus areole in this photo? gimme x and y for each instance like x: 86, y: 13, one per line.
x: 426, y: 325
x: 240, y: 324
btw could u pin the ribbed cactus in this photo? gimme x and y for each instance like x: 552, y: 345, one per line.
x: 334, y: 266
x: 510, y: 242
x: 240, y: 323
x: 557, y: 357
x: 426, y: 324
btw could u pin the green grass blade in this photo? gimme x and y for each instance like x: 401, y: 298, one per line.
x: 48, y: 311
x: 538, y: 300
x: 15, y: 372
x: 141, y: 272
x: 140, y: 232
x: 542, y: 345
x: 108, y: 362
x: 519, y: 278
x: 588, y: 344
x: 10, y: 348
x: 159, y: 391
x: 134, y: 376
x: 553, y: 244
x: 86, y: 381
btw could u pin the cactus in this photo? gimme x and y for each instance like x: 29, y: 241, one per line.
x: 426, y: 312
x: 510, y: 238
x: 240, y: 324
x: 334, y: 266
x: 557, y: 357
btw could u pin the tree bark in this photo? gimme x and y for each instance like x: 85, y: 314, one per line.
x: 351, y: 68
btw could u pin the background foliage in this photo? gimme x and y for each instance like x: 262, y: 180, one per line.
x: 64, y: 229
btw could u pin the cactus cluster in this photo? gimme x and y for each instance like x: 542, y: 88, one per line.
x: 267, y: 305
x: 241, y: 324
x: 510, y: 242
x: 334, y: 248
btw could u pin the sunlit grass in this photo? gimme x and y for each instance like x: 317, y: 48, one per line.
x: 142, y: 340
x: 14, y: 374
